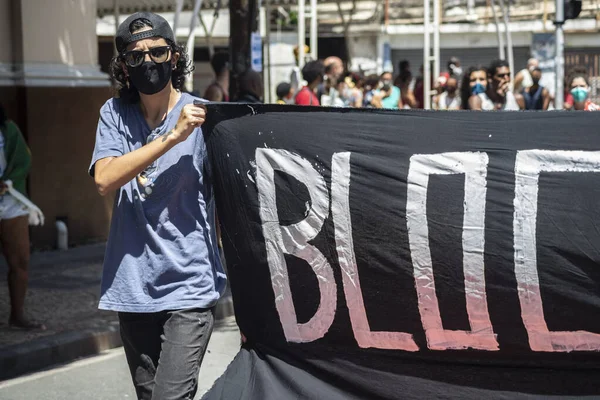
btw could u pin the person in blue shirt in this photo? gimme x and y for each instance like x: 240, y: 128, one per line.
x: 162, y: 272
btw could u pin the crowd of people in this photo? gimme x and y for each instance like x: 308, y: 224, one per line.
x: 327, y: 83
x: 478, y: 88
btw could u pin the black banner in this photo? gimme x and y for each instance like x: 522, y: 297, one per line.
x: 387, y: 255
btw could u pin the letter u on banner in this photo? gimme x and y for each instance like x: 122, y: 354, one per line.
x: 293, y: 239
x: 528, y: 165
x: 474, y: 166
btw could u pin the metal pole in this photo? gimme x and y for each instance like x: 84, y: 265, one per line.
x: 426, y: 55
x: 267, y: 53
x: 509, y: 46
x: 314, y: 33
x: 470, y: 7
x: 116, y: 7
x: 301, y: 32
x: 560, y: 59
x: 386, y: 14
x: 191, y: 42
x: 436, y: 37
x: 501, y: 53
x: 178, y: 8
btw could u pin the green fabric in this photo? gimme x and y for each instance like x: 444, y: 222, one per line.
x: 18, y: 157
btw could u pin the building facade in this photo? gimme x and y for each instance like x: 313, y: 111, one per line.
x: 52, y: 87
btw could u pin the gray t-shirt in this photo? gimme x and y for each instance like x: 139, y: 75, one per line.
x: 162, y: 249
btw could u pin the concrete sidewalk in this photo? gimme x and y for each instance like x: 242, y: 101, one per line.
x: 63, y: 294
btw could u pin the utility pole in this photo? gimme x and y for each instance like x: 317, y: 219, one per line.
x: 117, y: 17
x: 301, y: 32
x: 191, y: 43
x: 501, y: 53
x: 426, y: 55
x: 243, y: 20
x: 560, y: 59
x: 314, y: 31
x: 437, y: 10
x: 267, y: 54
x: 509, y: 45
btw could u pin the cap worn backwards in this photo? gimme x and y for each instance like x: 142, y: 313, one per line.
x: 160, y: 28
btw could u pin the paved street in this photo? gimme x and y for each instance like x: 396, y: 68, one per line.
x: 106, y: 377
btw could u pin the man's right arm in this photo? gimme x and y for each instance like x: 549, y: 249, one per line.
x: 111, y: 173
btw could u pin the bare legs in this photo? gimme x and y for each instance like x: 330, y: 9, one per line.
x: 14, y: 235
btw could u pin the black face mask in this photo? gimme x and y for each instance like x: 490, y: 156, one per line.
x: 150, y: 77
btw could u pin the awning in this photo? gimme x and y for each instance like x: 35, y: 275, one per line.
x: 365, y: 12
x: 159, y: 6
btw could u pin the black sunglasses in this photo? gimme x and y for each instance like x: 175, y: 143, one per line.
x: 135, y: 58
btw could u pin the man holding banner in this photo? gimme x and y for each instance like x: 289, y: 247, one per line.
x: 162, y: 271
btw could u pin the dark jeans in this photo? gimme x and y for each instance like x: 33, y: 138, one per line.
x: 164, y: 351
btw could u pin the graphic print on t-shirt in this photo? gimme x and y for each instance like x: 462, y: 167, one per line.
x: 148, y: 176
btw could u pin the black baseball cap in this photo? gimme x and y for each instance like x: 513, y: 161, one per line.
x: 160, y: 28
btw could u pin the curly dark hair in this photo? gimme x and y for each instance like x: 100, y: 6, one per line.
x: 465, y: 85
x: 129, y: 93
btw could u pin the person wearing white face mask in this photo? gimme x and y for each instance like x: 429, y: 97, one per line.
x: 580, y: 89
x: 523, y: 79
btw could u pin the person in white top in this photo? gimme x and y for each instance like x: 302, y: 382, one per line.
x: 296, y: 79
x: 523, y: 78
x: 498, y: 96
x: 449, y: 99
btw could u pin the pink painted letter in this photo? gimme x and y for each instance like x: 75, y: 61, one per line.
x: 474, y: 166
x: 340, y: 208
x: 528, y: 165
